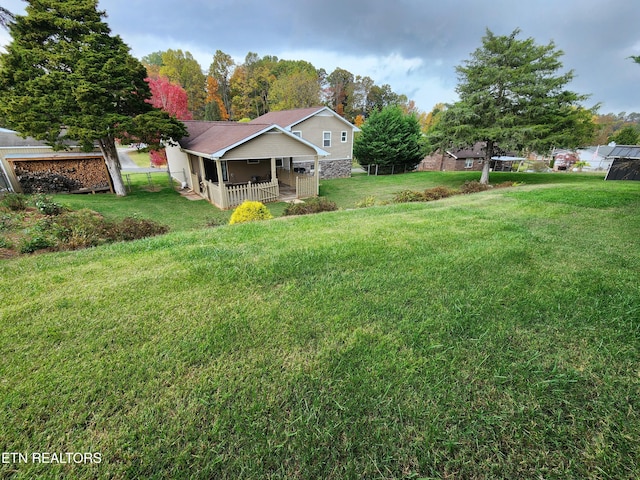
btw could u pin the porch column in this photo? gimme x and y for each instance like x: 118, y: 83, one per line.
x: 224, y: 201
x: 316, y: 173
x: 219, y: 170
x: 200, y: 173
x: 273, y: 170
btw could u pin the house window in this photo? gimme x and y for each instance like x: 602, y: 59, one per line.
x: 279, y: 162
x: 468, y: 163
x: 297, y: 133
x: 343, y: 136
x: 326, y: 139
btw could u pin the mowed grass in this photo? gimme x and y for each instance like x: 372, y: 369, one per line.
x: 157, y: 201
x: 493, y: 335
x: 347, y: 192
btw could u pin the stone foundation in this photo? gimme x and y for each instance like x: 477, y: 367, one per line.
x: 329, y: 168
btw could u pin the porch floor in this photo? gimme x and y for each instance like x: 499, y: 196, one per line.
x: 190, y: 194
x: 287, y: 193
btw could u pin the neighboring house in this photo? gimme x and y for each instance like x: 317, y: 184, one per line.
x: 564, y: 160
x: 595, y: 158
x: 229, y: 162
x: 466, y: 159
x: 322, y: 127
x: 625, y: 163
x: 29, y: 165
x: 461, y: 159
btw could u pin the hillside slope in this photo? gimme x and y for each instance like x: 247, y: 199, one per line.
x: 485, y: 336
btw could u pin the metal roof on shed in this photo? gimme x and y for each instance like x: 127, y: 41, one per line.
x: 625, y: 151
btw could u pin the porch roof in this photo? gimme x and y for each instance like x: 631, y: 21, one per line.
x: 214, y: 139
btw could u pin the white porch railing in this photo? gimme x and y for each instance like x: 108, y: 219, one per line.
x: 257, y: 192
x: 229, y: 196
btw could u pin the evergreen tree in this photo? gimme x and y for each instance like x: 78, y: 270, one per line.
x: 512, y: 97
x: 390, y: 137
x: 628, y: 135
x: 6, y: 17
x: 64, y: 76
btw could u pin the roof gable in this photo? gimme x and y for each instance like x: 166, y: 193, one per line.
x: 290, y: 118
x: 211, y: 137
x: 214, y: 139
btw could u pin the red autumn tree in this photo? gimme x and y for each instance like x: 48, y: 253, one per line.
x: 171, y: 98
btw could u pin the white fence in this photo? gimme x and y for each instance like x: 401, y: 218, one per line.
x: 257, y: 192
x: 306, y: 187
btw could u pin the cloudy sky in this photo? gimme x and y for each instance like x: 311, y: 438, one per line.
x: 413, y: 45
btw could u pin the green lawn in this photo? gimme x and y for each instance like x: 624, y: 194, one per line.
x: 346, y: 192
x: 157, y: 202
x: 141, y: 159
x: 493, y: 335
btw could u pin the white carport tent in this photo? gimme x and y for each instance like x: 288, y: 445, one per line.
x: 506, y: 158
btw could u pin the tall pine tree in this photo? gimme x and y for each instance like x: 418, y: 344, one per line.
x: 64, y: 76
x: 513, y: 98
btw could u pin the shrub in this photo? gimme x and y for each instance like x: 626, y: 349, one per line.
x: 406, y: 196
x: 430, y: 194
x: 9, y: 221
x: 86, y: 228
x: 37, y: 241
x: 135, y: 228
x: 250, y: 211
x: 81, y: 229
x: 368, y: 201
x: 311, y: 205
x: 436, y: 193
x: 507, y: 184
x: 473, y: 187
x: 14, y: 201
x: 5, y: 242
x: 47, y: 206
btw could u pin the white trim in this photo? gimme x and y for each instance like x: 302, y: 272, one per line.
x: 325, y: 109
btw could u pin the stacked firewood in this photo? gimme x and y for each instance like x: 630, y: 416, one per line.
x: 46, y: 182
x: 62, y: 175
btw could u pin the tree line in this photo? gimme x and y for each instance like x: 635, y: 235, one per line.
x: 235, y: 91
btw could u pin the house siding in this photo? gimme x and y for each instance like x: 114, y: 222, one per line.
x: 314, y: 127
x: 447, y: 163
x: 270, y: 145
x: 178, y: 162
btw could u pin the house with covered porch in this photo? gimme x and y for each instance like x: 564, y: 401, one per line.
x: 230, y: 162
x: 320, y: 126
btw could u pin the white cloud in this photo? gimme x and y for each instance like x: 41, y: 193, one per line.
x: 409, y: 76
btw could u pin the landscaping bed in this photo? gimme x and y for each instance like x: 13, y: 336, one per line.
x: 39, y: 224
